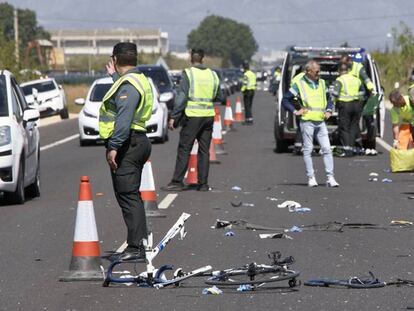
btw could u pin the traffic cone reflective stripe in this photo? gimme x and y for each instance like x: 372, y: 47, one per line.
x: 239, y: 113
x: 148, y: 194
x: 217, y: 135
x: 86, y: 261
x: 228, y: 117
x: 192, y: 176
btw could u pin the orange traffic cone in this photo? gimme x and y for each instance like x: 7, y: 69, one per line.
x: 217, y: 135
x: 191, y: 175
x: 228, y: 117
x: 238, y: 117
x: 86, y: 260
x: 213, y: 158
x: 148, y: 194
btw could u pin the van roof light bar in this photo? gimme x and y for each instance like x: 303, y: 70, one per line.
x: 327, y: 49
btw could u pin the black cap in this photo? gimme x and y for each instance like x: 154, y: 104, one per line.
x: 197, y: 51
x: 125, y: 48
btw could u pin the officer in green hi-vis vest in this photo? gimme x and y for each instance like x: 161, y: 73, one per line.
x: 126, y: 107
x: 199, y: 89
x: 248, y: 88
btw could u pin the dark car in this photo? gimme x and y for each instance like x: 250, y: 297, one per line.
x: 162, y: 80
x: 224, y: 86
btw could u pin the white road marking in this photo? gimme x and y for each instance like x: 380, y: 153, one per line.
x: 166, y: 202
x: 169, y: 198
x: 59, y: 142
x: 384, y: 144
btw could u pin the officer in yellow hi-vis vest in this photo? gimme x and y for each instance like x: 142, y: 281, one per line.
x: 248, y: 88
x: 348, y: 93
x: 199, y: 89
x: 316, y: 108
x: 125, y: 109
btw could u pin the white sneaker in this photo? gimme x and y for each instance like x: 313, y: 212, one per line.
x: 312, y: 182
x: 374, y: 152
x: 331, y: 182
x: 367, y: 151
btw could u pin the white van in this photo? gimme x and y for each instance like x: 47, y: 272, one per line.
x: 19, y: 142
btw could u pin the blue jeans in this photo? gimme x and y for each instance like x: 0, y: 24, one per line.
x: 310, y: 130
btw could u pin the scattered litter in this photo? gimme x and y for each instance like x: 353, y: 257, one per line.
x: 236, y: 188
x: 294, y: 229
x: 230, y: 233
x: 245, y: 288
x: 404, y: 255
x: 410, y: 197
x: 373, y: 174
x: 212, y: 291
x: 236, y: 204
x: 387, y: 180
x: 271, y: 198
x: 293, y: 209
x: 373, y: 179
x: 248, y: 204
x: 386, y: 170
x: 99, y: 194
x: 401, y: 223
x: 38, y: 259
x: 275, y: 236
x: 289, y: 204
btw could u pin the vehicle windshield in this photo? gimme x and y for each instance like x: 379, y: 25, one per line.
x: 99, y: 91
x: 41, y: 87
x: 160, y: 77
x: 4, y: 109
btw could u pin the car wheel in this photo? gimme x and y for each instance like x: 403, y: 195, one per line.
x: 64, y: 113
x: 281, y: 144
x: 34, y: 188
x: 83, y: 142
x: 18, y: 197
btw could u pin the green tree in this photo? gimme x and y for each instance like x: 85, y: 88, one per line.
x: 223, y: 37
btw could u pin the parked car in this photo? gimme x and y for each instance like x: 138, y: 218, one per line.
x: 328, y: 58
x: 19, y: 142
x: 224, y: 86
x: 88, y: 120
x: 162, y: 80
x: 47, y: 96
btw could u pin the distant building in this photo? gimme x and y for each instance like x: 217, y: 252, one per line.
x: 101, y: 42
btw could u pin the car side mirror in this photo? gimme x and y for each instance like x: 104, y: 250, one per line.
x: 60, y: 86
x: 35, y: 93
x: 31, y: 115
x: 80, y: 101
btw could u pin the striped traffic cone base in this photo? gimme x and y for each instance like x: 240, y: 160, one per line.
x: 86, y: 261
x: 152, y: 211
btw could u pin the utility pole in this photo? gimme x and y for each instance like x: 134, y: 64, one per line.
x: 16, y: 36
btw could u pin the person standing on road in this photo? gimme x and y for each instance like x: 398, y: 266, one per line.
x: 357, y: 69
x: 248, y: 88
x: 316, y: 108
x: 194, y: 106
x: 347, y: 91
x: 125, y: 109
x: 402, y: 119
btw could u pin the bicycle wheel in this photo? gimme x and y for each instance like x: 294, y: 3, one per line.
x: 260, y: 276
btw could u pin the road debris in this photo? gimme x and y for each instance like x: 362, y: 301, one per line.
x: 386, y: 180
x: 373, y: 174
x: 289, y: 204
x: 293, y: 209
x: 373, y: 179
x: 236, y: 204
x: 245, y: 288
x: 404, y: 223
x: 212, y: 291
x: 275, y: 236
x: 236, y: 188
x: 230, y: 233
x: 271, y: 199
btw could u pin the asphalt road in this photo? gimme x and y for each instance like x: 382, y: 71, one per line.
x: 36, y: 238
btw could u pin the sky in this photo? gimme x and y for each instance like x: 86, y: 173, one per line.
x: 275, y: 23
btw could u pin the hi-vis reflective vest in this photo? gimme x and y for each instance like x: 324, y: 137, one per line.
x: 249, y: 81
x: 204, y: 84
x: 355, y: 71
x: 143, y: 112
x: 314, y: 100
x: 350, y: 88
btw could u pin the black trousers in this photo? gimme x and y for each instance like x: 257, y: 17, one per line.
x: 248, y: 103
x: 126, y: 181
x: 348, y: 124
x: 371, y: 142
x: 194, y: 128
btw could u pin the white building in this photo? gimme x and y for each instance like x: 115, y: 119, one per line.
x: 101, y: 42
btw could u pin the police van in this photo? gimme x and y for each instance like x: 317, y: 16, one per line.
x: 285, y: 125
